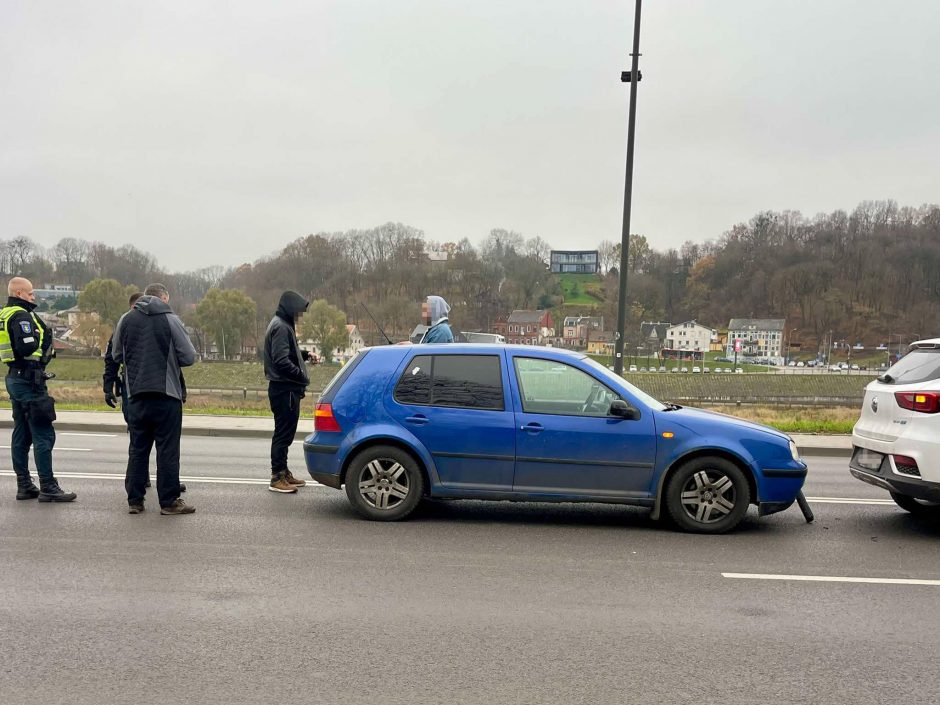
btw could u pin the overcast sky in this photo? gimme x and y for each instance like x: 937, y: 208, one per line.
x: 216, y: 132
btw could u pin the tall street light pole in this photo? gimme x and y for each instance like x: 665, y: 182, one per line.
x: 633, y: 78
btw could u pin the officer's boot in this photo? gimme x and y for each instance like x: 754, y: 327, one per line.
x: 25, y: 489
x: 49, y: 491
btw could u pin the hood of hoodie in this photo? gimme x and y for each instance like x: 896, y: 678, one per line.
x: 290, y: 305
x: 152, y: 306
x: 438, y: 308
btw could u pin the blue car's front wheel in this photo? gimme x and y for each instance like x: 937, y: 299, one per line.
x: 384, y: 483
x: 707, y: 495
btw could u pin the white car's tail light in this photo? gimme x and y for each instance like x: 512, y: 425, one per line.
x: 924, y: 402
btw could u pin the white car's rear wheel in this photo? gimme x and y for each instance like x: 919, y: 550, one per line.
x: 917, y: 507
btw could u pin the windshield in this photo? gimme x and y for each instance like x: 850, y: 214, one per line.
x: 639, y: 394
x: 915, y: 367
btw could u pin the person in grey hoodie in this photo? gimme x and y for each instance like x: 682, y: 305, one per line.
x: 286, y: 372
x: 152, y: 343
x: 434, y: 312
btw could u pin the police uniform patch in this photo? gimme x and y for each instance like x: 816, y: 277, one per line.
x: 26, y: 327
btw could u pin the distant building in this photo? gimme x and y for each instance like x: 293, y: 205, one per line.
x: 574, y: 261
x: 601, y: 343
x: 577, y: 331
x: 355, y: 344
x: 757, y: 337
x: 55, y: 291
x: 526, y: 327
x: 653, y: 335
x: 689, y: 335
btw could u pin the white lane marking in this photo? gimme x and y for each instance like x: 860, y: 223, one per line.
x: 848, y: 500
x: 183, y: 478
x: 77, y: 450
x: 78, y: 433
x: 830, y: 579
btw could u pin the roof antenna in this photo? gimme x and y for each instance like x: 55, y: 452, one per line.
x: 387, y: 339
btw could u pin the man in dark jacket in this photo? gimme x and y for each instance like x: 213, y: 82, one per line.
x: 287, y: 383
x: 113, y: 379
x: 26, y: 348
x: 151, y: 341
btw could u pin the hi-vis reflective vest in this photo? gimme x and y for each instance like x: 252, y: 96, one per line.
x: 6, y: 345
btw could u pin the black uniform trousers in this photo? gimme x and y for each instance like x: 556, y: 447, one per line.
x: 154, y: 418
x: 285, y: 404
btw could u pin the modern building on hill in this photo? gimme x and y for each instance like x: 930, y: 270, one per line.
x: 574, y: 261
x: 757, y: 337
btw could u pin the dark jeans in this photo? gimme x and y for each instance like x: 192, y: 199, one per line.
x: 285, y: 403
x: 154, y: 418
x: 28, y: 432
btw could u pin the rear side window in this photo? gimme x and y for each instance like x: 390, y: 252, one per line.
x: 462, y: 381
x: 915, y: 367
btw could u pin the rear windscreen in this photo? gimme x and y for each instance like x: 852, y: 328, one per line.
x: 340, y: 377
x: 915, y: 367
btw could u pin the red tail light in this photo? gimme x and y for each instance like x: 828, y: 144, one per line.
x: 323, y: 419
x: 925, y: 402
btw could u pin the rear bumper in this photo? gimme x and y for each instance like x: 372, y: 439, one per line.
x: 912, y: 487
x: 322, y: 463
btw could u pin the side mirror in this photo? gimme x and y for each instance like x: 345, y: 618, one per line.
x: 622, y: 410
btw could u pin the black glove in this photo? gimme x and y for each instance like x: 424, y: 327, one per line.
x: 110, y: 400
x: 305, y: 355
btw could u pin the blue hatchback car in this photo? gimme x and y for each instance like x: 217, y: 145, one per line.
x: 400, y: 423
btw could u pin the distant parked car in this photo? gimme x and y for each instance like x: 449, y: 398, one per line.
x: 632, y: 368
x: 738, y: 371
x: 696, y: 369
x: 718, y: 369
x: 853, y: 366
x: 673, y: 369
x: 706, y: 369
x: 642, y: 369
x: 897, y: 437
x: 800, y: 364
x: 684, y: 369
x: 662, y: 368
x: 399, y: 424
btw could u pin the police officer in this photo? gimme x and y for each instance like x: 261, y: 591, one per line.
x: 26, y: 347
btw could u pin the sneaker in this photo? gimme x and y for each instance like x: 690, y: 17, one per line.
x: 293, y: 480
x: 26, y: 489
x: 135, y: 508
x: 178, y: 507
x: 279, y: 483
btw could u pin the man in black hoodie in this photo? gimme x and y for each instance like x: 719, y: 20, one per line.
x: 153, y: 345
x: 287, y: 383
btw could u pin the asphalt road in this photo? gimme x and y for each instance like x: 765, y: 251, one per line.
x: 266, y: 598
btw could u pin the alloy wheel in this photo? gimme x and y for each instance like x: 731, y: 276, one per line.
x: 708, y: 496
x: 384, y: 483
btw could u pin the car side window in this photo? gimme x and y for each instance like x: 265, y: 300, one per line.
x: 549, y: 387
x: 462, y: 381
x: 414, y: 386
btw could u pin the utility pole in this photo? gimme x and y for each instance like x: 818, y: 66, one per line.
x: 633, y: 78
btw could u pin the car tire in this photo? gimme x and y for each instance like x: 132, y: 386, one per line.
x: 707, y: 495
x: 384, y: 483
x: 917, y: 507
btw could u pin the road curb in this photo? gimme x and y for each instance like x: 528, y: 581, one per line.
x: 190, y: 431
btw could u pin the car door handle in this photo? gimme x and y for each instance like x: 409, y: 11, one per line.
x: 417, y: 419
x: 532, y: 428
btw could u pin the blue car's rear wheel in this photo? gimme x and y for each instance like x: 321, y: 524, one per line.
x: 707, y: 496
x: 384, y: 483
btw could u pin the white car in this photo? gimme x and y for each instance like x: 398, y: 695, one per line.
x: 632, y: 368
x: 696, y: 369
x: 897, y: 438
x: 738, y: 371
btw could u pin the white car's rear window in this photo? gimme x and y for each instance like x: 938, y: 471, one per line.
x: 915, y: 367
